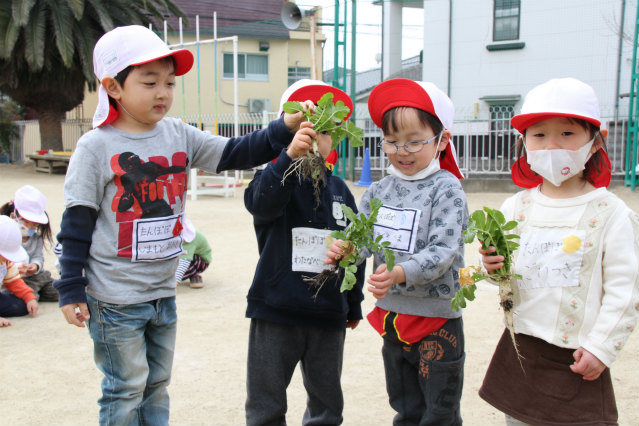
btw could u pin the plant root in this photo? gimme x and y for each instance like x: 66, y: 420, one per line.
x: 506, y: 303
x: 308, y: 167
x: 318, y: 281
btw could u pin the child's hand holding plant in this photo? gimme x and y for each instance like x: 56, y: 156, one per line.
x: 302, y: 141
x: 358, y: 236
x: 329, y: 119
x: 294, y: 119
x: 497, y: 246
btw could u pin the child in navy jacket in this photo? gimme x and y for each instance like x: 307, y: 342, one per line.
x: 292, y: 322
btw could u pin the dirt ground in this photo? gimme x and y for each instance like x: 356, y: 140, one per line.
x: 47, y: 374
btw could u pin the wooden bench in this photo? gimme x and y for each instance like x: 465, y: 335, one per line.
x: 50, y: 163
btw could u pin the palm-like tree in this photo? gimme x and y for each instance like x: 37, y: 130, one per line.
x: 46, y: 51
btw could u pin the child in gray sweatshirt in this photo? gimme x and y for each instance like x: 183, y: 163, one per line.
x: 423, y: 215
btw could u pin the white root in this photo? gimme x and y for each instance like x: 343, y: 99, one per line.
x: 506, y: 302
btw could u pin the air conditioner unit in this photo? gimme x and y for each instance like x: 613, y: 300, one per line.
x: 259, y: 104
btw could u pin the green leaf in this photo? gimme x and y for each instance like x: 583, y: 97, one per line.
x: 360, y: 235
x: 292, y: 107
x: 509, y: 225
x: 344, y: 285
x: 389, y: 257
x: 20, y: 11
x: 340, y: 235
x: 349, y: 213
x: 469, y: 236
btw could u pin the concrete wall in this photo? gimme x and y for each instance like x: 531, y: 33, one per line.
x: 576, y: 38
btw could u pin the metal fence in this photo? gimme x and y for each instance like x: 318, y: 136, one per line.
x: 484, y: 147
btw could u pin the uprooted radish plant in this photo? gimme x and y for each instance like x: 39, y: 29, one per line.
x: 358, y: 236
x: 490, y: 228
x: 327, y: 118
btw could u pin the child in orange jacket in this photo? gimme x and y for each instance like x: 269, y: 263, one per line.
x: 19, y: 300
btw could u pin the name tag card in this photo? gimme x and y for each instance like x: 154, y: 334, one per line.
x: 550, y: 258
x: 156, y: 239
x: 399, y: 227
x: 309, y: 249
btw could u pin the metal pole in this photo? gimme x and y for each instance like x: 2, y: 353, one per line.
x: 351, y: 154
x: 215, y: 71
x: 633, y: 125
x: 182, y: 78
x: 199, y: 100
x: 312, y: 37
x: 336, y: 46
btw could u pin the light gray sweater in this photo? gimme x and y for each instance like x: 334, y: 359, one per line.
x: 432, y: 269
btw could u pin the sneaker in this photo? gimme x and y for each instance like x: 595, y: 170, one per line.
x: 196, y: 281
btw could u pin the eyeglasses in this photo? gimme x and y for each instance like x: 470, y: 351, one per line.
x: 410, y: 146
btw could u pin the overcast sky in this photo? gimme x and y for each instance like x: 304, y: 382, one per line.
x: 369, y: 29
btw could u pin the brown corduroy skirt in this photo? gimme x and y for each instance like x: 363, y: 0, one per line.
x: 546, y: 391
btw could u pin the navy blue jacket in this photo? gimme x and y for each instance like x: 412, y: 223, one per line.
x: 279, y: 294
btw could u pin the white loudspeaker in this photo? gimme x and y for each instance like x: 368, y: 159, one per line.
x: 292, y: 15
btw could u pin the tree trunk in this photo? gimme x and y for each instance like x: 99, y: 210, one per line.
x: 50, y: 130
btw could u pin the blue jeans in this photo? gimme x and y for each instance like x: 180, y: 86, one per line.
x: 133, y: 345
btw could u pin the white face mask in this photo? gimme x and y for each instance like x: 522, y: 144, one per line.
x: 433, y: 166
x: 26, y: 232
x: 558, y: 165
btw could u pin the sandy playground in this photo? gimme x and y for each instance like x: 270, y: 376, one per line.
x: 47, y: 374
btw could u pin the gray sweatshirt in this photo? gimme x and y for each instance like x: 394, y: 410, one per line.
x: 137, y: 184
x: 431, y: 251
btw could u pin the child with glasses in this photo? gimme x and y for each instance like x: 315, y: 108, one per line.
x: 423, y: 215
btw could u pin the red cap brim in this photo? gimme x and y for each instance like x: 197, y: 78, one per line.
x: 523, y: 121
x: 183, y: 60
x: 394, y: 93
x: 315, y: 92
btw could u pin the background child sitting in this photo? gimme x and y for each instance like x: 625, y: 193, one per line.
x: 196, y: 256
x: 19, y: 300
x: 28, y: 209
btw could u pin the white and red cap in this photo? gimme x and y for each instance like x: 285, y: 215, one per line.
x: 424, y: 95
x: 313, y: 90
x: 126, y: 46
x: 11, y: 240
x: 559, y: 97
x: 30, y: 204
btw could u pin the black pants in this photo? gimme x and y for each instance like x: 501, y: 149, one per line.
x: 424, y: 380
x: 274, y: 352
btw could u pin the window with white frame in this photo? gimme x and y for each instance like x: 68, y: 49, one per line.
x: 500, y: 116
x: 506, y: 20
x: 250, y: 66
x: 298, y: 73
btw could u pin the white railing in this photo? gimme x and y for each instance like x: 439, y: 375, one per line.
x: 480, y: 150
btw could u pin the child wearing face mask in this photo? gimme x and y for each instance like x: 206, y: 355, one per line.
x: 28, y: 209
x: 423, y: 215
x: 577, y: 299
x: 18, y: 299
